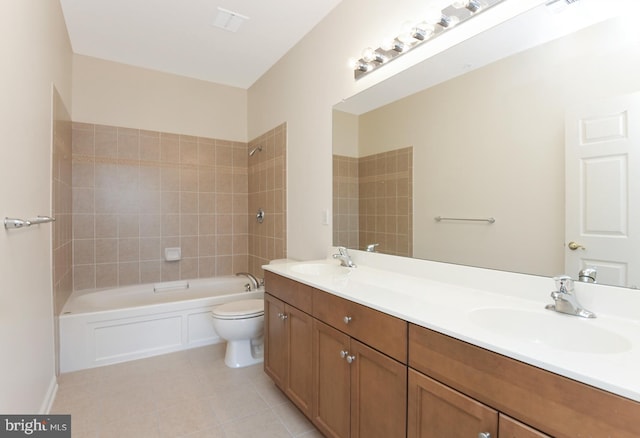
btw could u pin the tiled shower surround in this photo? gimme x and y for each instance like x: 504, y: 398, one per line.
x: 136, y: 192
x: 378, y: 190
x: 267, y: 191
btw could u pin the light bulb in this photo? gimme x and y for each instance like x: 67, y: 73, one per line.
x: 448, y: 21
x: 406, y: 33
x: 472, y: 5
x: 369, y: 55
x: 423, y: 31
x: 387, y: 43
x: 459, y: 4
x: 433, y: 14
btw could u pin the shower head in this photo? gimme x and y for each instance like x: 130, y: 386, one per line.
x: 254, y: 150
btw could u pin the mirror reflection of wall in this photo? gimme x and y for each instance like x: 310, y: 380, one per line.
x: 490, y: 143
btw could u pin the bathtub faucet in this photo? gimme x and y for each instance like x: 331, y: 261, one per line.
x: 254, y: 281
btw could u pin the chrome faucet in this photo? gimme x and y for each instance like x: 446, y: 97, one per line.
x: 254, y: 281
x: 344, y: 257
x: 588, y: 275
x: 372, y: 247
x: 566, y: 300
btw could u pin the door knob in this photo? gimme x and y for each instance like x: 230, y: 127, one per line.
x: 573, y: 246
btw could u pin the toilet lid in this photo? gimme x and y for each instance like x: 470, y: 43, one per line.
x: 242, y: 308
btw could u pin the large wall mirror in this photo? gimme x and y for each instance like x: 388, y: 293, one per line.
x: 494, y: 140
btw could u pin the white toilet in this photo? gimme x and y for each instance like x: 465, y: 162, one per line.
x: 241, y: 324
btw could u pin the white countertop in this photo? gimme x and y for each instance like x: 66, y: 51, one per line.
x: 505, y: 313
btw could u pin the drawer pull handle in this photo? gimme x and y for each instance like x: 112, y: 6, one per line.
x: 484, y: 435
x: 347, y: 319
x: 344, y: 354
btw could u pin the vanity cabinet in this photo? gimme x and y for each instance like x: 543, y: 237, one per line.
x: 288, y: 340
x: 530, y: 401
x: 436, y: 410
x: 360, y: 372
x: 341, y: 363
x: 358, y: 391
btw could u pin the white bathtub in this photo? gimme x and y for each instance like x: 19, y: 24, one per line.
x: 116, y: 325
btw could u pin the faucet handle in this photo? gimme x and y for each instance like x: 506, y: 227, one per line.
x: 564, y: 283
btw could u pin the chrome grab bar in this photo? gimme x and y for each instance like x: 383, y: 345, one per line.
x: 20, y: 223
x: 440, y: 218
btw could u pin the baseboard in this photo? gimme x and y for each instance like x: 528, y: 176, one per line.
x: 50, y: 397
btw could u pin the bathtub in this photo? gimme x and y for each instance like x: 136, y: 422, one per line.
x: 108, y: 326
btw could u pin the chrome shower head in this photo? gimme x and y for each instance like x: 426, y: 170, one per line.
x: 254, y: 150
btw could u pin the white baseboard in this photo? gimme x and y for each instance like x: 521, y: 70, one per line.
x: 47, y: 403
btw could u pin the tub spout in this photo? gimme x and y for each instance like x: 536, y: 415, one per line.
x: 254, y: 281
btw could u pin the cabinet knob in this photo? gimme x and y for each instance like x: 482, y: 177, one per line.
x: 350, y: 359
x: 282, y: 316
x: 344, y: 353
x: 484, y: 435
x: 347, y: 319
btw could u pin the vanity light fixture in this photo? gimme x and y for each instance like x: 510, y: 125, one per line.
x: 413, y: 35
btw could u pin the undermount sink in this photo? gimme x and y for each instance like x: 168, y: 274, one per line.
x: 319, y: 269
x: 561, y: 332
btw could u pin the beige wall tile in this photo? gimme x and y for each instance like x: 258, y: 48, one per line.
x: 150, y: 190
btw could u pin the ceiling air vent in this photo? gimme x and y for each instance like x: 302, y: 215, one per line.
x: 229, y: 20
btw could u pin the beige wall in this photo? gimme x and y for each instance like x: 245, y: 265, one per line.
x: 110, y: 93
x: 491, y: 144
x: 36, y: 53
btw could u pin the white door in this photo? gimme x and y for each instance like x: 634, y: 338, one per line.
x: 602, y: 194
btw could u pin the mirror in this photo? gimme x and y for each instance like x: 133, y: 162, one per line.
x: 486, y: 142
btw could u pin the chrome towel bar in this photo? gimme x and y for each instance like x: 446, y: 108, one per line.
x: 20, y: 223
x: 440, y: 218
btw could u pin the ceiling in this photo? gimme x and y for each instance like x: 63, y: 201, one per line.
x: 179, y: 37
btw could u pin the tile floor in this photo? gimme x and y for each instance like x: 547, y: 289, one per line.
x: 186, y: 394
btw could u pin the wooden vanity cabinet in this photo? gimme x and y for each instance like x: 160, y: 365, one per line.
x: 544, y: 402
x: 437, y: 411
x: 288, y: 341
x: 358, y: 390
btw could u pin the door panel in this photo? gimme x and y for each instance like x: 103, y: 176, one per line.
x: 299, y: 377
x: 275, y: 341
x: 437, y: 411
x: 331, y: 381
x: 378, y: 394
x: 602, y: 200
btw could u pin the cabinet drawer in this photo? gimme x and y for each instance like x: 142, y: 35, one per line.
x: 289, y: 291
x: 383, y: 332
x: 548, y: 402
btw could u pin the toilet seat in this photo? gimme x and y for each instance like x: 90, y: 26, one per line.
x: 242, y: 309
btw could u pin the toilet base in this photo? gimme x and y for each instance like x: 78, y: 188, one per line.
x: 243, y: 353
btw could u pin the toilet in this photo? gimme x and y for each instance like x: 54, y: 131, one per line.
x: 241, y: 324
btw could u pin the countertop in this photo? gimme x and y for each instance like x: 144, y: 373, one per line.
x: 512, y: 324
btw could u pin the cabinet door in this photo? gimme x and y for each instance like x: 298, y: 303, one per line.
x: 378, y: 394
x: 299, y: 327
x: 437, y: 411
x: 510, y: 428
x: 331, y: 375
x: 275, y: 340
